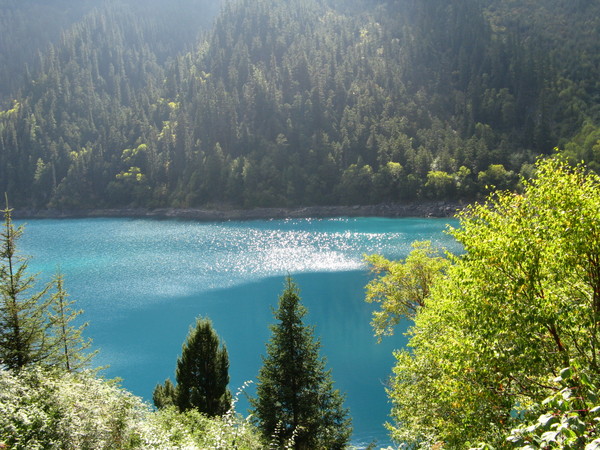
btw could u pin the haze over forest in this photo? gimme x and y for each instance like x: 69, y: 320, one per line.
x: 282, y: 103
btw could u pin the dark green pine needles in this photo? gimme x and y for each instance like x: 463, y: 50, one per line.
x: 295, y: 399
x: 202, y: 374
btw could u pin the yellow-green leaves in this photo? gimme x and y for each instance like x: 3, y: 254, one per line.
x: 520, y: 304
x: 401, y: 287
x: 567, y: 419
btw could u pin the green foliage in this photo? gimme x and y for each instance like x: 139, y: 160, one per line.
x: 303, y: 102
x: 43, y: 409
x: 24, y: 322
x: 440, y: 185
x: 402, y: 287
x: 295, y: 394
x: 567, y: 419
x: 164, y: 395
x: 519, y: 305
x: 193, y: 429
x: 202, y: 374
x: 71, y: 347
x: 48, y: 401
x: 54, y: 409
x: 585, y: 146
x: 35, y: 328
x: 496, y: 177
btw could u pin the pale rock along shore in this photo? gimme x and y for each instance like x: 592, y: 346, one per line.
x: 416, y: 209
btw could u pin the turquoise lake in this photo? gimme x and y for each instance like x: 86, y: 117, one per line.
x: 142, y: 283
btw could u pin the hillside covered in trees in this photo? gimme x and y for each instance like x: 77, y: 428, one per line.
x: 303, y: 102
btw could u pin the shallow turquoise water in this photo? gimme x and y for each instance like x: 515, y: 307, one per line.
x: 143, y: 282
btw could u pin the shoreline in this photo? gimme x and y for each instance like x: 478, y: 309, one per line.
x: 439, y: 209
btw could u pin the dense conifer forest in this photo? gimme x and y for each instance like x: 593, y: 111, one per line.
x: 303, y: 102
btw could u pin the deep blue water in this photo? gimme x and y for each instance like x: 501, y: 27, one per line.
x: 143, y: 282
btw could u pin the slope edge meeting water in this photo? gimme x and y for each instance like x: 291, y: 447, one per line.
x: 411, y: 209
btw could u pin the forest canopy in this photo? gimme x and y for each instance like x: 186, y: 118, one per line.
x: 304, y: 102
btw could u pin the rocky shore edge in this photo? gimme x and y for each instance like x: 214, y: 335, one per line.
x: 417, y: 209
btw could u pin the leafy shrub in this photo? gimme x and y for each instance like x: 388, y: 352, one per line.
x: 193, y: 429
x: 49, y: 409
x: 569, y: 419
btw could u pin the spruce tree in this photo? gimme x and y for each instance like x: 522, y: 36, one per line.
x: 24, y: 323
x: 164, y: 394
x: 295, y: 395
x: 71, y: 349
x: 202, y: 374
x: 35, y: 327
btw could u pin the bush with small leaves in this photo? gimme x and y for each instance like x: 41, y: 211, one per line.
x: 569, y: 419
x: 41, y: 409
x: 193, y: 429
x: 51, y: 409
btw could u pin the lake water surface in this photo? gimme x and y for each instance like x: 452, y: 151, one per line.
x: 143, y: 282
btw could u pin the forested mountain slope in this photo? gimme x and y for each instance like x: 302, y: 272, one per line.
x: 278, y: 103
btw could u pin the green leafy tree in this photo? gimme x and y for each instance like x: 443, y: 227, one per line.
x: 521, y: 303
x: 401, y: 287
x: 24, y: 323
x: 585, y: 146
x: 440, y: 184
x: 567, y: 419
x: 496, y: 177
x: 295, y: 395
x: 202, y: 374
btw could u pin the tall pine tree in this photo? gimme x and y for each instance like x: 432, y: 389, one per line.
x: 24, y: 322
x: 295, y: 395
x: 35, y: 327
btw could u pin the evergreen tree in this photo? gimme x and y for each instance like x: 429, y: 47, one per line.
x: 202, y: 374
x: 35, y: 327
x: 164, y: 394
x: 24, y: 323
x: 295, y: 395
x: 71, y: 347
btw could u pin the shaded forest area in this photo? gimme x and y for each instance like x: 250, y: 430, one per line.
x: 302, y: 102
